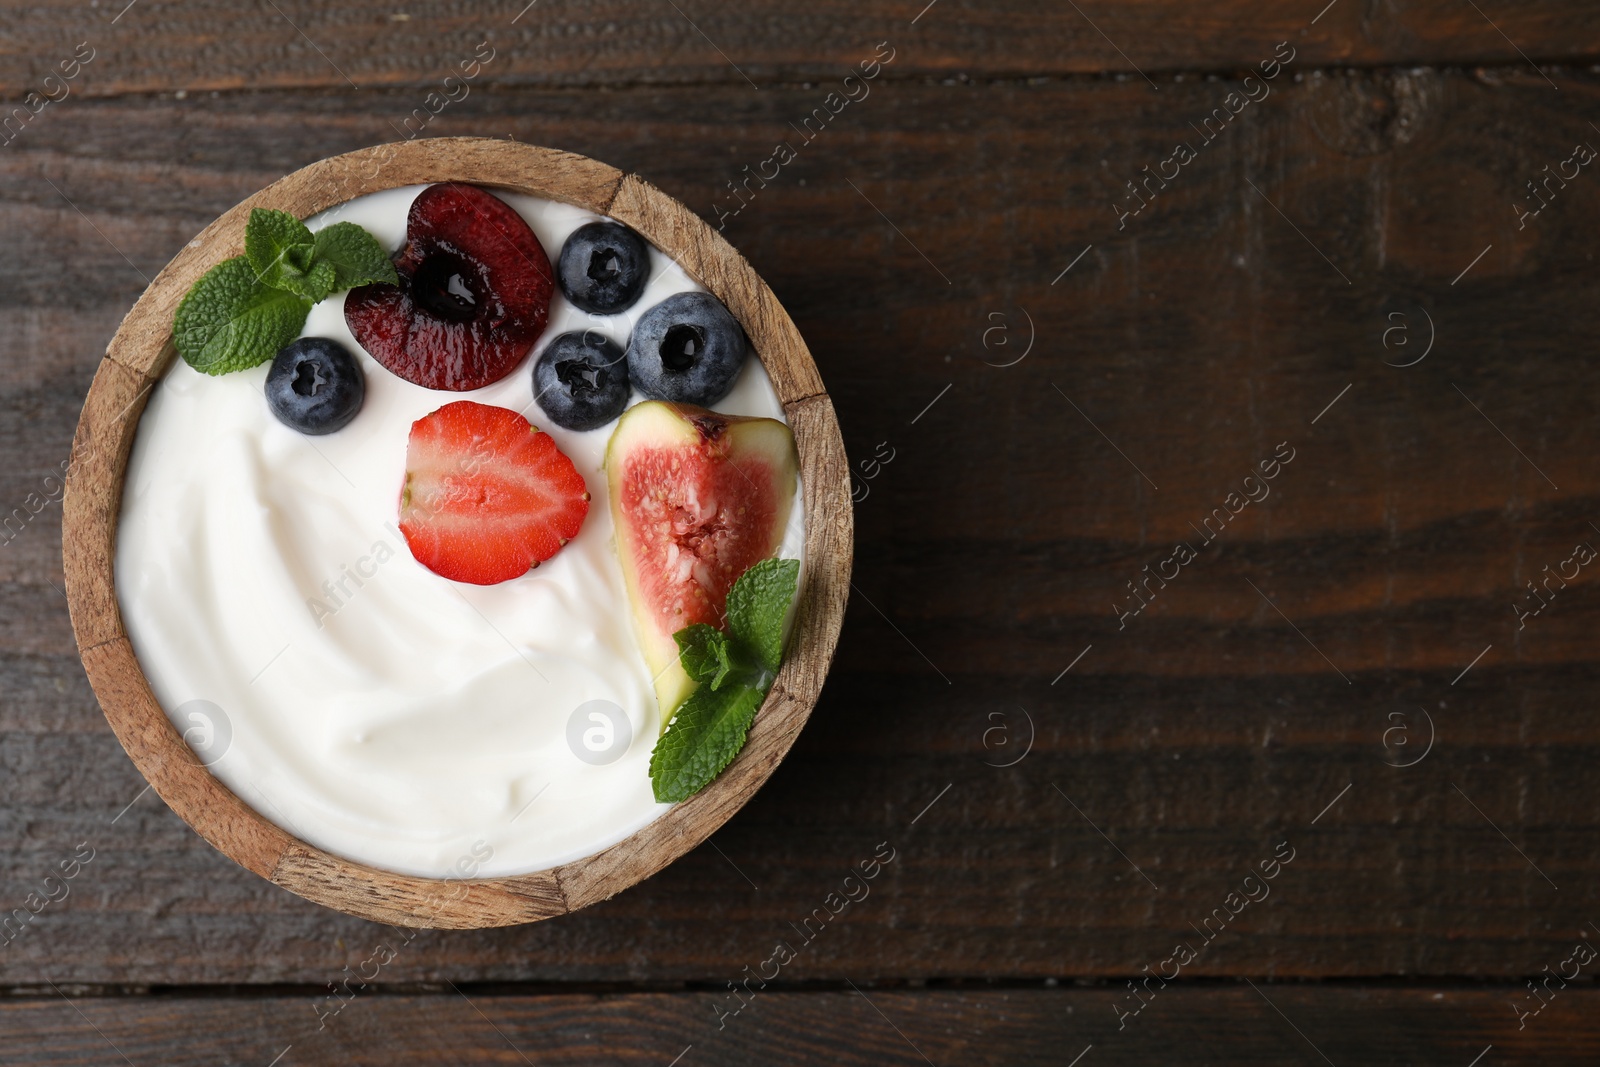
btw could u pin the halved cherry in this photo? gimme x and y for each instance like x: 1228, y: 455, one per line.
x: 474, y: 293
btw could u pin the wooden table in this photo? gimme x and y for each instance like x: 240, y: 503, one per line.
x: 1086, y: 748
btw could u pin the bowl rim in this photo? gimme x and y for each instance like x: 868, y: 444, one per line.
x: 142, y: 350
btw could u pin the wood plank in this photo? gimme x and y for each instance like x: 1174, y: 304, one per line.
x: 1235, y: 1024
x: 213, y: 45
x: 991, y: 548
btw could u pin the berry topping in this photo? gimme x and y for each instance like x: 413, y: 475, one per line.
x: 581, y: 380
x: 315, y: 386
x: 487, y: 496
x: 686, y: 349
x: 603, y: 267
x: 474, y: 293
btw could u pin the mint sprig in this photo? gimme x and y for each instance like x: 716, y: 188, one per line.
x: 244, y: 309
x: 229, y: 319
x: 280, y: 248
x: 704, y: 653
x: 735, y: 669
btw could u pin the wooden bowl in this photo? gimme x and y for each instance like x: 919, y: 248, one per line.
x: 141, y: 352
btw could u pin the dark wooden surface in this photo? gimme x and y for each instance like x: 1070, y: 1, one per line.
x: 164, y: 45
x: 1261, y: 698
x: 1231, y: 1024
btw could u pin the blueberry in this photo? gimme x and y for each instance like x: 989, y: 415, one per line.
x: 315, y: 385
x: 686, y: 349
x: 603, y: 267
x: 581, y: 380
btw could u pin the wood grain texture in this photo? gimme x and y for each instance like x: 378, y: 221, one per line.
x: 1272, y: 1024
x: 92, y: 497
x: 991, y: 548
x: 141, y: 352
x: 212, y: 45
x: 171, y: 768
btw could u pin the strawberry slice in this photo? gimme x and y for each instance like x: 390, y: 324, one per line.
x: 487, y: 495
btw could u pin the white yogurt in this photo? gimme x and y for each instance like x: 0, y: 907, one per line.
x: 374, y: 709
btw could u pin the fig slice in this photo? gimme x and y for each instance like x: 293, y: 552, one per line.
x: 696, y: 498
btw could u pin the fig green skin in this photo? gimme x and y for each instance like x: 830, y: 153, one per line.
x: 687, y: 349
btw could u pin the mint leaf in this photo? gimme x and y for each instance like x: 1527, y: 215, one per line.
x: 314, y: 284
x: 734, y: 672
x: 355, y: 255
x: 243, y: 311
x: 757, y: 606
x: 708, y: 731
x: 703, y: 651
x: 231, y: 320
x: 279, y: 248
x: 286, y: 255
